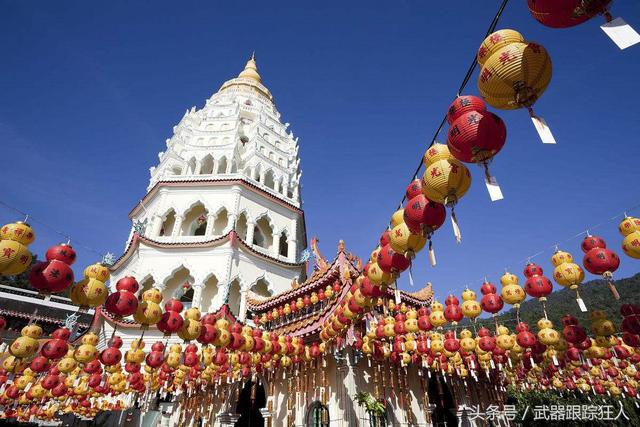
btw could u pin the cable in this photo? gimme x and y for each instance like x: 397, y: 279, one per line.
x: 556, y: 245
x: 64, y: 235
x: 463, y: 85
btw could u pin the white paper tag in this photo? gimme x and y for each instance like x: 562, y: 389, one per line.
x: 493, y: 188
x: 543, y: 130
x: 621, y: 33
x: 26, y: 389
x: 397, y: 295
x: 555, y: 360
x: 583, y: 308
x: 493, y: 365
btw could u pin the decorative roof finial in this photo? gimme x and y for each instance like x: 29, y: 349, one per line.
x: 251, y: 69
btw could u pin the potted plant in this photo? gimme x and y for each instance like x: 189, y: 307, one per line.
x: 375, y: 408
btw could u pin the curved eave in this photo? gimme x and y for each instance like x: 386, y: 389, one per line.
x: 213, y: 182
x: 330, y: 274
x: 137, y: 239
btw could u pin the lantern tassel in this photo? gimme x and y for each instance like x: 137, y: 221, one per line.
x: 581, y: 303
x: 613, y: 289
x: 541, y: 126
x: 410, y: 275
x: 432, y: 254
x: 456, y: 228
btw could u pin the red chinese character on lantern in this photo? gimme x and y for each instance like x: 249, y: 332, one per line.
x: 485, y: 75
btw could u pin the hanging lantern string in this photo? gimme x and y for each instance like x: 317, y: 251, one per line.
x: 65, y: 236
x: 463, y: 85
x: 556, y: 245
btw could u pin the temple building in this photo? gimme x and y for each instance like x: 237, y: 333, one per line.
x: 221, y: 228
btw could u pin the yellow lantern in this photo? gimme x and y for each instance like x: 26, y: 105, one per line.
x: 446, y: 181
x: 87, y: 351
x: 27, y: 344
x: 397, y: 218
x: 97, y: 271
x: 495, y: 42
x: 546, y: 334
x: 147, y: 313
x: 376, y: 275
x: 631, y: 244
x: 405, y: 242
x: 89, y: 292
x: 470, y: 306
x: 436, y: 317
x: 15, y: 257
x: 466, y: 340
x: 411, y: 323
x: 389, y: 323
x: 629, y: 228
x: 568, y: 274
x: 435, y: 153
x: 512, y: 293
x: 514, y: 72
x: 629, y: 225
x: 504, y: 340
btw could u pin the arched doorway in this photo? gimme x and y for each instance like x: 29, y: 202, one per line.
x: 440, y: 394
x: 252, y: 398
x: 317, y: 415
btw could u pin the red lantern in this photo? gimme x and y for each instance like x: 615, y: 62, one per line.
x: 572, y: 332
x: 110, y: 356
x: 490, y: 302
x: 170, y: 322
x: 121, y: 303
x: 525, y: 338
x: 476, y: 137
x: 464, y: 104
x: 423, y: 215
x: 62, y: 252
x: 174, y: 305
x: 39, y: 364
x: 452, y: 311
x: 56, y: 347
x: 128, y: 284
x: 537, y: 285
x: 50, y: 382
x: 51, y: 276
x: 567, y: 13
x: 413, y: 189
x: 600, y: 260
x: 390, y: 261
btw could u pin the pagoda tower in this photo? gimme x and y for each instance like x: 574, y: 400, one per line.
x: 221, y: 220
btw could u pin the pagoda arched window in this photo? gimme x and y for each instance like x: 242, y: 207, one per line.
x: 284, y: 245
x: 187, y: 297
x: 167, y: 223
x: 234, y: 297
x: 195, y: 221
x: 263, y: 233
x: 269, y: 180
x: 206, y: 168
x: 221, y: 222
x: 222, y: 165
x: 317, y: 415
x: 241, y: 226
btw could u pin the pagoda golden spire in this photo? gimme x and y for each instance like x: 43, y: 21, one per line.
x: 251, y: 70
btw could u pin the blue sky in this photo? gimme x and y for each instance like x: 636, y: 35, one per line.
x: 90, y: 92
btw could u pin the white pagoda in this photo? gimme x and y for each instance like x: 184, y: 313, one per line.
x: 221, y: 221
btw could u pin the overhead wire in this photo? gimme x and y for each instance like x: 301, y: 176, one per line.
x: 28, y: 217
